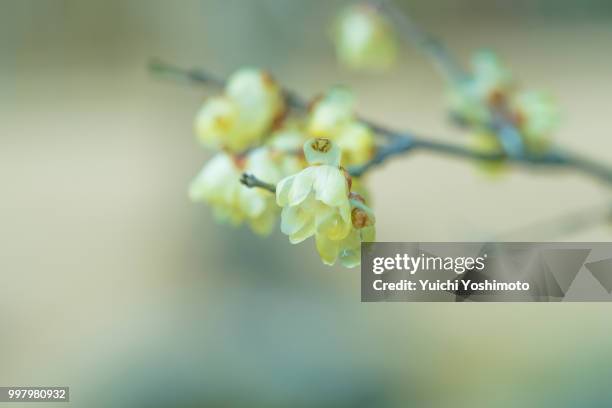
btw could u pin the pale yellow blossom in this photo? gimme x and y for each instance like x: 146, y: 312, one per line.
x: 364, y: 39
x: 357, y: 144
x: 333, y: 117
x: 218, y: 185
x: 316, y: 203
x: 243, y: 115
x: 315, y: 199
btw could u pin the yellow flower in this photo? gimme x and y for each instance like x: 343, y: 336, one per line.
x: 316, y: 202
x: 332, y: 113
x: 357, y: 144
x: 333, y: 117
x: 243, y: 115
x: 218, y: 185
x: 217, y: 124
x: 286, y: 151
x: 348, y: 250
x: 364, y: 39
x: 315, y: 199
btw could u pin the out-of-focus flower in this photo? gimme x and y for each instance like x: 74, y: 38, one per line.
x: 316, y: 202
x: 285, y: 151
x: 490, y: 91
x: 289, y: 140
x: 240, y: 118
x: 331, y: 113
x: 537, y: 116
x: 357, y: 144
x: 218, y: 185
x: 333, y: 117
x: 491, y: 79
x: 488, y: 85
x: 217, y: 124
x: 364, y: 39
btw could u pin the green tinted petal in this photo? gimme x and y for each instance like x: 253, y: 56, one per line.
x: 305, y: 232
x: 327, y: 248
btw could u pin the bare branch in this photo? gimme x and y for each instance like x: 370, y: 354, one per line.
x: 444, y: 61
x: 251, y: 181
x: 402, y: 142
x: 449, y: 66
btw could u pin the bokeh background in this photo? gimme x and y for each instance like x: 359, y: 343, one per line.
x: 113, y: 283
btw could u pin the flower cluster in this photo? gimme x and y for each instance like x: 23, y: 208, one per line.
x: 303, y: 157
x: 236, y: 123
x: 491, y: 90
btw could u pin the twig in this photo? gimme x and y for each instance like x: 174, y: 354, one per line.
x: 293, y: 100
x: 445, y: 62
x: 177, y: 74
x: 251, y: 181
x: 402, y: 142
x: 449, y: 66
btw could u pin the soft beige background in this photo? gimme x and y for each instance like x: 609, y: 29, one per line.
x: 112, y: 281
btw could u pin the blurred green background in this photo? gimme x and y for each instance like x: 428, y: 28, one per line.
x: 113, y: 283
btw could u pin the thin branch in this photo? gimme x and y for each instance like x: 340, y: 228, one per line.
x: 293, y: 99
x: 177, y: 74
x: 251, y: 181
x: 444, y: 61
x: 449, y: 66
x: 402, y: 142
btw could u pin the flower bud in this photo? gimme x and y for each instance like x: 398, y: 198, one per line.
x: 357, y: 144
x: 216, y: 123
x: 331, y: 113
x: 364, y: 39
x: 259, y: 99
x: 240, y: 119
x: 361, y: 215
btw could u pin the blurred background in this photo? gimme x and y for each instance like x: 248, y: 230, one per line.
x: 113, y: 283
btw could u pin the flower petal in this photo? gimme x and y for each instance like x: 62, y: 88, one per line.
x: 302, y: 185
x: 305, y: 232
x: 282, y: 190
x: 327, y: 248
x: 331, y: 224
x: 330, y: 185
x: 293, y: 219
